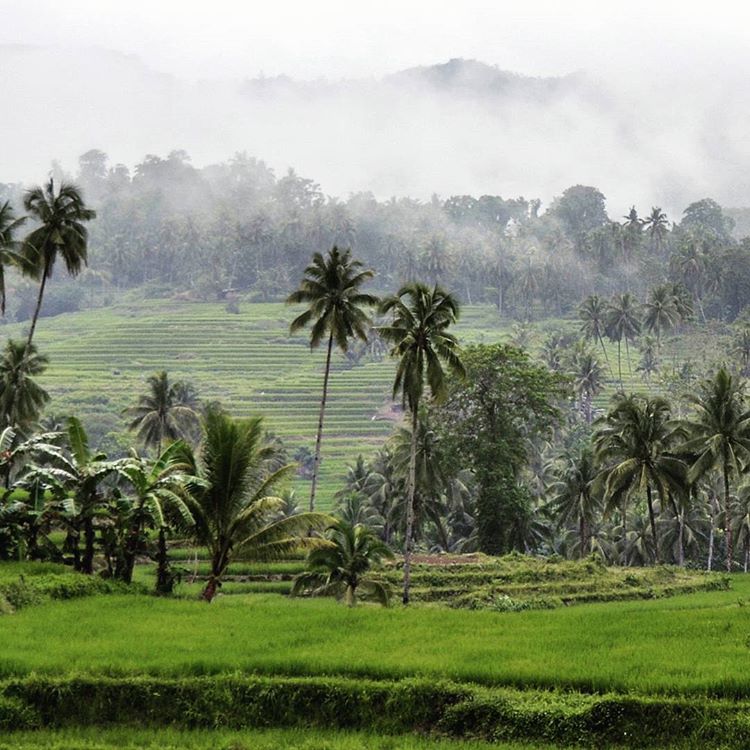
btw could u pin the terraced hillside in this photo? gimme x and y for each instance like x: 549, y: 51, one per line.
x: 100, y: 359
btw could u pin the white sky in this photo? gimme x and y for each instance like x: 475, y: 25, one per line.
x: 342, y: 38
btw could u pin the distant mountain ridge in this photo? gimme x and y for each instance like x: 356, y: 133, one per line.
x: 455, y: 127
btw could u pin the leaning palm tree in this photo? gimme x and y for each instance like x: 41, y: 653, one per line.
x: 331, y: 288
x: 592, y: 313
x: 61, y: 233
x: 9, y: 224
x: 21, y: 397
x: 420, y: 317
x: 720, y: 437
x: 340, y: 568
x: 166, y: 412
x: 234, y: 510
x: 634, y: 442
x: 623, y: 322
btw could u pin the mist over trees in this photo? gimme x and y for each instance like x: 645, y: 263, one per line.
x: 173, y: 228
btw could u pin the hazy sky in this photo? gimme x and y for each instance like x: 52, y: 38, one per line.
x: 337, y: 38
x: 664, y: 116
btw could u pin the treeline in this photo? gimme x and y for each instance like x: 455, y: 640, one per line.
x: 172, y: 228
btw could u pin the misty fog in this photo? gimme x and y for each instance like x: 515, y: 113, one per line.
x: 458, y: 127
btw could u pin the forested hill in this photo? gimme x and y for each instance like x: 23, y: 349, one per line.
x: 174, y: 228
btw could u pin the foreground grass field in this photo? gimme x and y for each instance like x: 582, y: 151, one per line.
x: 292, y: 739
x: 686, y: 645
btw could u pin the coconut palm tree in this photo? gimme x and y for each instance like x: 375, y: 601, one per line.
x: 592, y: 313
x: 336, y: 310
x: 61, y: 233
x: 233, y: 509
x: 657, y: 228
x: 340, y: 568
x: 9, y: 225
x: 166, y: 412
x: 21, y: 397
x: 588, y: 378
x: 660, y: 311
x: 633, y: 442
x: 574, y: 499
x: 720, y: 437
x: 420, y: 317
x: 622, y: 322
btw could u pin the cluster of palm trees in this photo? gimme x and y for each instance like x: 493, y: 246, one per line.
x: 416, y: 322
x: 221, y: 495
x: 690, y: 476
x: 622, y: 318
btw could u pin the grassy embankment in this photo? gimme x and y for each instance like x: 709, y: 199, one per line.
x: 637, y: 673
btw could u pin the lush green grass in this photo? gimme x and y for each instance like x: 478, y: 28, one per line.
x: 130, y: 738
x: 686, y: 644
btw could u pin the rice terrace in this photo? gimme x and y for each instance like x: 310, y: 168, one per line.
x: 447, y: 451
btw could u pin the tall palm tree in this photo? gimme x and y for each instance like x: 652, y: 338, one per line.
x: 574, y: 497
x: 61, y: 233
x: 340, y: 568
x: 623, y: 322
x: 420, y: 317
x: 166, y: 412
x: 233, y: 509
x: 634, y: 442
x: 657, y: 227
x: 21, y: 397
x: 331, y: 289
x: 9, y: 224
x: 720, y: 437
x: 592, y: 313
x: 660, y: 311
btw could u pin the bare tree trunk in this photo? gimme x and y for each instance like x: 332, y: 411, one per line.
x: 727, y: 523
x: 410, y: 505
x: 38, y: 307
x: 652, y: 521
x: 319, y: 436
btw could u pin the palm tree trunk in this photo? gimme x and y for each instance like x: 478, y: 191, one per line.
x: 87, y: 564
x: 681, y: 541
x: 606, y: 356
x: 710, y: 560
x: 619, y: 363
x: 410, y: 505
x: 582, y: 536
x: 38, y: 307
x: 319, y: 436
x: 652, y: 521
x: 627, y: 353
x: 163, y: 579
x: 727, y: 523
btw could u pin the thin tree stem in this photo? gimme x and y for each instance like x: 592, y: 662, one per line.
x: 410, y: 504
x: 319, y: 436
